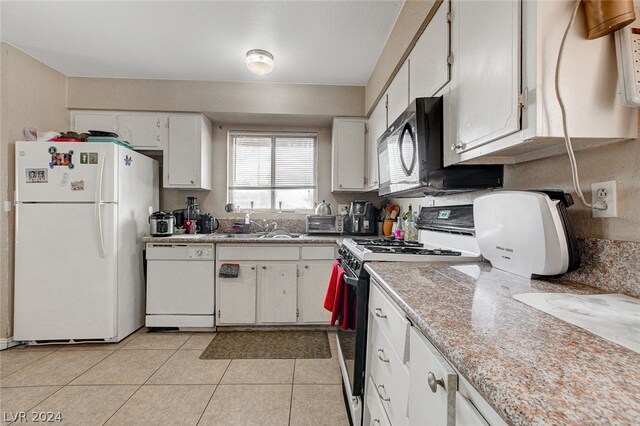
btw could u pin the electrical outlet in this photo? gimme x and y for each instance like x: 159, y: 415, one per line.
x: 605, y: 191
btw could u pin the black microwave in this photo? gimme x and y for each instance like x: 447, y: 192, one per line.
x: 410, y: 161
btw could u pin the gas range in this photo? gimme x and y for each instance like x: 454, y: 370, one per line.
x: 446, y: 234
x: 430, y: 248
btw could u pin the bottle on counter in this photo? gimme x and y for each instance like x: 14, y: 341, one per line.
x: 399, y: 232
x: 411, y: 230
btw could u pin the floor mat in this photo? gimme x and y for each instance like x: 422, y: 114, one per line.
x: 268, y: 344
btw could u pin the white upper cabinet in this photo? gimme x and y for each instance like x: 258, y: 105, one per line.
x: 83, y: 121
x: 187, y: 159
x: 143, y: 130
x: 483, y: 94
x: 429, y: 70
x: 377, y: 125
x: 348, y: 154
x: 501, y: 107
x: 398, y: 94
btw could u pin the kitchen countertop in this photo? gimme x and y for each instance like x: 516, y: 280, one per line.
x: 531, y: 367
x: 220, y: 239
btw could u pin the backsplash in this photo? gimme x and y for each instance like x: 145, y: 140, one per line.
x: 609, y: 265
x: 293, y: 224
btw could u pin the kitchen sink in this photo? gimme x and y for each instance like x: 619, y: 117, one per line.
x: 243, y: 236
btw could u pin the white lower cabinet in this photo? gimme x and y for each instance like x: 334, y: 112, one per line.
x: 432, y: 383
x: 277, y: 284
x: 376, y: 414
x: 467, y: 414
x: 386, y: 367
x: 409, y: 382
x: 236, y: 297
x: 314, y: 277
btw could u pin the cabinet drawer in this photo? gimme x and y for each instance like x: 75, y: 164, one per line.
x: 318, y: 253
x: 258, y: 252
x: 377, y: 416
x: 432, y: 383
x: 389, y: 319
x: 390, y: 376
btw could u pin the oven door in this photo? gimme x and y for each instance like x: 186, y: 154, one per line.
x: 398, y: 156
x: 352, y: 344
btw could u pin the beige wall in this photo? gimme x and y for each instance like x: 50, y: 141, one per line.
x: 214, y: 201
x: 215, y: 97
x: 31, y: 95
x: 620, y: 162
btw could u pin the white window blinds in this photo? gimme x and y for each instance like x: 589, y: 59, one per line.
x: 268, y: 169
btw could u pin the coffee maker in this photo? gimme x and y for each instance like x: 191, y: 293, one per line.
x: 362, y: 219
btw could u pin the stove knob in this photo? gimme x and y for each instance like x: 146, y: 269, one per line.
x: 357, y: 264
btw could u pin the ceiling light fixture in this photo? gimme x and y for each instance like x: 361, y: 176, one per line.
x: 259, y: 61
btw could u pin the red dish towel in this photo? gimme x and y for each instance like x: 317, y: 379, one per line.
x: 330, y: 298
x: 336, y: 300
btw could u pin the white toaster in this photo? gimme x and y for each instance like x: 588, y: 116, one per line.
x: 526, y: 232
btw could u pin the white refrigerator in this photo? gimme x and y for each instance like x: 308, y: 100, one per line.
x: 81, y: 210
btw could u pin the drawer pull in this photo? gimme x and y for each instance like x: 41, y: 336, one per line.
x: 434, y: 383
x: 380, y: 353
x: 378, y: 313
x: 380, y: 394
x: 376, y: 421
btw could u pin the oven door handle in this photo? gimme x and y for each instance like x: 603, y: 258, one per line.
x: 351, y: 281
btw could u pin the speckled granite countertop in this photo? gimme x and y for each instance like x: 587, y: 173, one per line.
x: 220, y: 239
x: 532, y: 368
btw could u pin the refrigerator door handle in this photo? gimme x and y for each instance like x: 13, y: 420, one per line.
x: 98, y: 206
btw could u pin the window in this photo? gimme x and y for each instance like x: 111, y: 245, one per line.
x: 272, y: 168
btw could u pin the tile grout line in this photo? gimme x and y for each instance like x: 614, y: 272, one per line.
x: 25, y: 366
x: 69, y: 382
x: 43, y: 400
x: 140, y: 386
x: 295, y: 364
x: 214, y: 392
x: 121, y: 405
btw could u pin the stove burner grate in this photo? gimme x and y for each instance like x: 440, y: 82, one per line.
x: 412, y: 250
x: 386, y: 242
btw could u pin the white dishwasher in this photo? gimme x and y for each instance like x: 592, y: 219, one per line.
x: 180, y: 285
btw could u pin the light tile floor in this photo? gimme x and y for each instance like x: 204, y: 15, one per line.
x: 158, y: 378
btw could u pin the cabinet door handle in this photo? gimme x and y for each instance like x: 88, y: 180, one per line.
x: 378, y: 313
x: 376, y: 421
x: 434, y: 383
x: 264, y: 267
x: 306, y: 266
x: 380, y: 393
x: 192, y: 181
x: 253, y: 268
x: 380, y: 353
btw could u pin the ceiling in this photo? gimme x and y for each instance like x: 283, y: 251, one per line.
x: 315, y: 42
